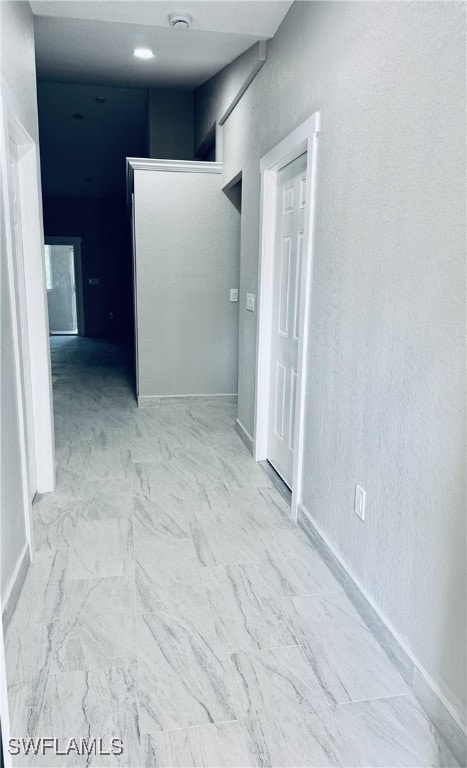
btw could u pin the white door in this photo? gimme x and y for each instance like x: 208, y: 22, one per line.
x: 20, y: 288
x: 288, y: 256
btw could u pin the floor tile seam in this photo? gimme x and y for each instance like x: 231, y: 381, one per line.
x: 44, y: 673
x: 320, y: 593
x: 353, y: 702
x: 173, y: 610
x: 357, y: 619
x: 98, y: 668
x: 72, y: 583
x: 278, y: 647
x: 323, y: 704
x: 268, y: 598
x: 227, y: 678
x: 31, y: 624
x: 48, y: 674
x: 98, y: 576
x: 243, y: 721
x: 262, y: 650
x: 58, y: 619
x: 189, y: 727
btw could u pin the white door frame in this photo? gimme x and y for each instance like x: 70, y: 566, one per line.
x: 78, y: 267
x: 35, y: 294
x: 302, y: 139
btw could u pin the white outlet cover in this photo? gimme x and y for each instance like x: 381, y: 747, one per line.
x: 250, y: 302
x: 360, y: 500
x: 234, y: 294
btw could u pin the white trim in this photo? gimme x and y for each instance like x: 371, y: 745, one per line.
x: 35, y: 295
x: 26, y: 491
x: 8, y: 602
x: 9, y: 589
x: 244, y: 435
x: 78, y: 265
x: 302, y: 139
x: 148, y: 401
x: 183, y: 166
x: 153, y: 164
x: 219, y: 147
x: 357, y: 586
x: 4, y: 705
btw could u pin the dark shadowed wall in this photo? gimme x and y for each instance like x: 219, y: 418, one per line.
x: 105, y: 254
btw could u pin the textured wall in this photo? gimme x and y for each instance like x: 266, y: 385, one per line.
x: 18, y: 60
x: 171, y: 123
x: 385, y: 399
x: 213, y: 97
x: 18, y: 77
x: 187, y: 245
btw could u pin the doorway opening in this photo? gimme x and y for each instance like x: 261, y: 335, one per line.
x: 288, y: 174
x: 62, y: 261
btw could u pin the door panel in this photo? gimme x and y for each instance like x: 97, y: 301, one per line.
x: 281, y: 372
x: 284, y: 286
x: 288, y: 257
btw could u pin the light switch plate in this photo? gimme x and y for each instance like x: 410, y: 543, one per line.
x: 234, y: 294
x: 250, y: 302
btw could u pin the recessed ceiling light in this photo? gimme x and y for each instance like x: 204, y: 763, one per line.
x: 78, y: 116
x: 143, y: 53
x: 100, y: 99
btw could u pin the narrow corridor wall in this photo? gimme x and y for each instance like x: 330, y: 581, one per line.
x: 18, y: 91
x: 386, y: 374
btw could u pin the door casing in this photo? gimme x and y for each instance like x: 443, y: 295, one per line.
x: 34, y: 293
x: 302, y: 139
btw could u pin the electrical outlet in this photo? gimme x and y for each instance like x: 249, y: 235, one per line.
x: 360, y: 499
x: 234, y: 294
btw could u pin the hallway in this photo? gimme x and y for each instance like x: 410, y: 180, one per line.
x: 172, y: 604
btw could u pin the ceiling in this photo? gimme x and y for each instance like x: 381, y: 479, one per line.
x: 91, y: 41
x: 84, y: 50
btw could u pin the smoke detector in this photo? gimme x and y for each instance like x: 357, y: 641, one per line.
x: 180, y: 20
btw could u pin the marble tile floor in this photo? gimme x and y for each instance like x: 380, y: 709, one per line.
x: 173, y: 604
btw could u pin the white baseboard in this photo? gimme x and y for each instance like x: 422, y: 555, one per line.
x: 443, y: 714
x: 150, y: 401
x: 244, y: 435
x: 13, y: 588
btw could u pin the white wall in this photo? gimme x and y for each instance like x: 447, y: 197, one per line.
x: 385, y: 399
x: 188, y: 250
x: 18, y: 94
x: 18, y: 80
